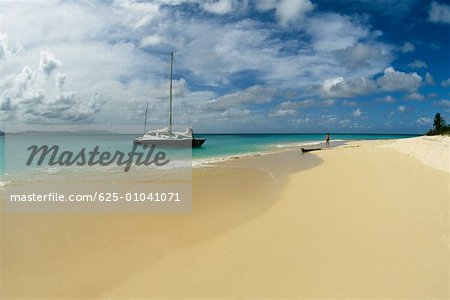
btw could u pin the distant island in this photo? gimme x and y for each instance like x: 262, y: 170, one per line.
x: 2, y: 133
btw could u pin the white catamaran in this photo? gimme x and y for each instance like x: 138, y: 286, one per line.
x: 165, y: 136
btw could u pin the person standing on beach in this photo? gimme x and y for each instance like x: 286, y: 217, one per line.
x: 327, y: 141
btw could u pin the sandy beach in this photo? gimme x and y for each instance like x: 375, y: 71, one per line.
x: 369, y: 219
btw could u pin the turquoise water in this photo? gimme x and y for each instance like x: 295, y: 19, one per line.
x: 216, y: 146
x: 220, y: 145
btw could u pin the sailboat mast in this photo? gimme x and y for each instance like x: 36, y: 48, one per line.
x: 170, y: 93
x: 145, y: 121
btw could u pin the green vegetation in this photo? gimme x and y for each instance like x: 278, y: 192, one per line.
x: 439, y: 126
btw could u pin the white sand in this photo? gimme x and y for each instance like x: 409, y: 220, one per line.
x: 433, y: 151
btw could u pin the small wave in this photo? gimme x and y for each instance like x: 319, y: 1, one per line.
x: 4, y: 183
x: 306, y: 143
x: 291, y: 145
x: 210, y: 161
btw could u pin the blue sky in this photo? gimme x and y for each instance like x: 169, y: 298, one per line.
x: 240, y: 66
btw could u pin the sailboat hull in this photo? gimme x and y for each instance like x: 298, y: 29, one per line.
x: 184, y: 143
x: 197, y: 143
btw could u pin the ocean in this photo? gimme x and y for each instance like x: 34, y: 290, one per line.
x: 217, y: 146
x: 226, y: 145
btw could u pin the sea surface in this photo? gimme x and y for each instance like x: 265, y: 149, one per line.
x: 217, y: 146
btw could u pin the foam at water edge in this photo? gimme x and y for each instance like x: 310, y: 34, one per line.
x: 4, y: 183
x: 209, y: 162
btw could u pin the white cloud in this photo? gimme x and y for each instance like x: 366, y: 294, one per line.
x: 118, y: 50
x: 407, y: 47
x: 151, y: 40
x: 265, y: 5
x: 331, y: 32
x: 439, y: 13
x: 232, y: 113
x: 4, y: 50
x: 443, y: 102
x: 286, y: 105
x: 219, y: 7
x: 48, y: 63
x: 424, y: 121
x: 415, y: 97
x: 445, y: 83
x: 429, y: 79
x: 301, y: 121
x: 288, y: 11
x: 363, y: 56
x: 417, y: 64
x: 402, y: 108
x: 252, y: 95
x: 339, y: 87
x: 282, y: 113
x: 137, y: 15
x: 357, y: 113
x: 38, y: 96
x: 393, y: 80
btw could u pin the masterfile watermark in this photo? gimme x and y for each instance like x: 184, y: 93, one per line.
x: 80, y: 169
x: 95, y: 157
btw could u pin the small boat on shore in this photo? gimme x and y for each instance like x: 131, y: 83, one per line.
x: 311, y: 149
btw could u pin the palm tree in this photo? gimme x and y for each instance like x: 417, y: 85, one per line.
x: 439, y: 122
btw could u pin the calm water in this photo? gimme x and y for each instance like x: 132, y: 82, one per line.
x: 216, y: 146
x: 220, y: 145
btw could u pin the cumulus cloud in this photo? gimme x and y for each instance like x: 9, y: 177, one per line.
x: 38, y: 96
x: 48, y: 63
x: 119, y: 49
x: 393, y: 80
x: 417, y: 64
x: 415, y: 97
x: 286, y: 11
x: 219, y: 7
x: 439, y: 13
x: 339, y: 87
